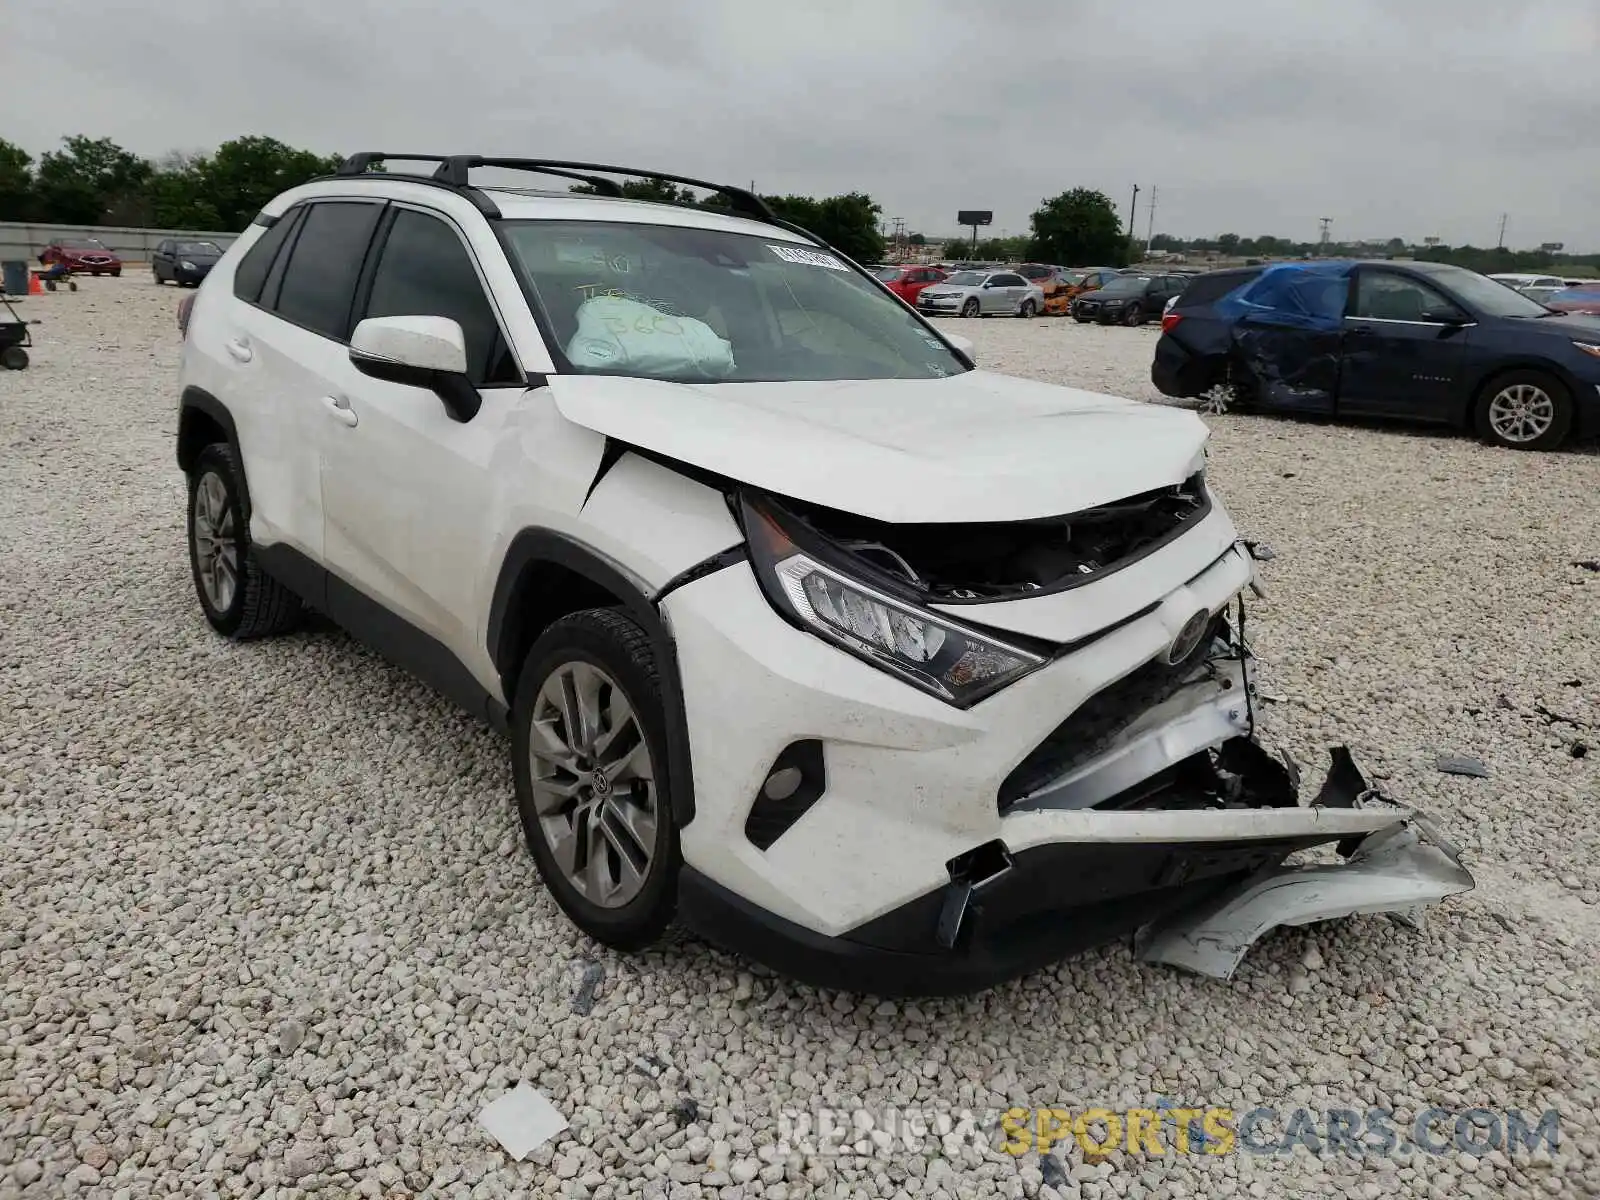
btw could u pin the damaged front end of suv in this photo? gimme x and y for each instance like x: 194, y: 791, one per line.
x: 1146, y: 806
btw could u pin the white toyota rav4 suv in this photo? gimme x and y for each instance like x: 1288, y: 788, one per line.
x: 900, y: 676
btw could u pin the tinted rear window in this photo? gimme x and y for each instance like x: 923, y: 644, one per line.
x: 1208, y: 289
x: 257, y: 261
x: 319, y: 283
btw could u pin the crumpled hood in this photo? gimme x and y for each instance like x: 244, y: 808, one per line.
x: 972, y: 447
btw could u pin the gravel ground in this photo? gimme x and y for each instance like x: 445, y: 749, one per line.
x: 267, y: 927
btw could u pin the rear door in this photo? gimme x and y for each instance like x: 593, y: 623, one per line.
x: 1401, y: 357
x: 286, y: 347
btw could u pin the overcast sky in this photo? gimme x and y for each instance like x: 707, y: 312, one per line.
x: 1409, y: 118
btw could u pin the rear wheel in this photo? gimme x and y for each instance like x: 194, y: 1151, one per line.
x: 970, y: 308
x: 1525, y: 410
x: 239, y: 599
x: 1028, y: 309
x: 589, y: 762
x: 13, y: 358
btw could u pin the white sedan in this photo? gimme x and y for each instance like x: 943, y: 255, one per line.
x: 982, y: 294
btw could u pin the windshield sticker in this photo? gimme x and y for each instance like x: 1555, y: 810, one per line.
x: 807, y: 258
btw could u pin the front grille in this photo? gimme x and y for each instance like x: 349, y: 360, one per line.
x: 1099, y: 719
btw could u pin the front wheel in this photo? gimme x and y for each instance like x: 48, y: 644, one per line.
x: 970, y: 308
x: 117, y: 274
x: 1525, y: 410
x: 1134, y: 316
x: 590, y: 766
x: 14, y: 358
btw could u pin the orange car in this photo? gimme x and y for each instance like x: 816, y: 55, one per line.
x: 1053, y: 282
x: 1087, y: 279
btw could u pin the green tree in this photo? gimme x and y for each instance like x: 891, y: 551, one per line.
x: 849, y: 223
x: 245, y: 173
x: 1079, y: 227
x: 81, y: 182
x: 653, y: 188
x: 16, y: 183
x: 1228, y: 243
x: 916, y: 239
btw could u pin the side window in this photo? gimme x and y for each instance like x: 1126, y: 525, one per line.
x: 319, y: 284
x: 424, y: 270
x: 1009, y: 281
x: 1382, y: 296
x: 252, y: 270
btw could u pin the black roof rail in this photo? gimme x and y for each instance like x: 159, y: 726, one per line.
x: 453, y: 169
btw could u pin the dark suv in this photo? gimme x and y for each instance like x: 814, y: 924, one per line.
x: 1128, y: 299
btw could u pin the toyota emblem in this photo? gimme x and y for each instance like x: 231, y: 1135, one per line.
x: 1189, y: 638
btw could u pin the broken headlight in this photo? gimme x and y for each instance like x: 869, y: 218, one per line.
x: 953, y: 662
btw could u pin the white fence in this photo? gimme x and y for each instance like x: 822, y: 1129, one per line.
x: 23, y: 242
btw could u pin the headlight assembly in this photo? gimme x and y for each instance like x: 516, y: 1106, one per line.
x: 186, y: 265
x: 949, y: 660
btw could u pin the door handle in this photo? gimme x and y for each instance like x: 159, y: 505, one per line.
x: 339, y: 406
x: 240, y: 349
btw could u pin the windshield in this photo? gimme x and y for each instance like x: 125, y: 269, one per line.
x: 1487, y: 295
x: 967, y: 278
x: 82, y: 244
x: 198, y: 248
x: 1126, y: 285
x: 887, y: 273
x: 705, y: 306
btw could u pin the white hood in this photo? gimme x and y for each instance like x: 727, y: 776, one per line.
x: 972, y: 447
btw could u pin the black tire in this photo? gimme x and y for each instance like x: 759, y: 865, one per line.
x: 1081, y: 320
x: 155, y: 274
x: 1133, y: 316
x: 612, y: 641
x: 970, y: 308
x: 1027, y: 309
x: 14, y: 358
x: 117, y: 274
x: 1560, y: 398
x: 260, y: 606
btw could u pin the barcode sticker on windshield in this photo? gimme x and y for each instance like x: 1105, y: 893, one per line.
x: 807, y: 258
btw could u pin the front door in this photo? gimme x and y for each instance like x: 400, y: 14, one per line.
x: 404, y: 485
x: 1405, y: 348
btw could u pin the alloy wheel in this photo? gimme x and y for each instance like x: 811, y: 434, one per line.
x: 1522, y: 412
x: 593, y: 783
x: 216, y: 542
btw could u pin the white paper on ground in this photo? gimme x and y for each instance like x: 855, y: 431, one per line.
x: 521, y: 1119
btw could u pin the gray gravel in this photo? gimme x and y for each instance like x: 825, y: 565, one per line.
x: 267, y: 928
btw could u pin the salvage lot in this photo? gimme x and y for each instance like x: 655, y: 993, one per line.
x: 265, y: 911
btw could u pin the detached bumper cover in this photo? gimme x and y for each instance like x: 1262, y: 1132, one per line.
x: 1396, y: 870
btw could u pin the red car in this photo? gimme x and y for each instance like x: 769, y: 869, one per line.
x: 1582, y: 298
x: 907, y: 281
x: 82, y: 256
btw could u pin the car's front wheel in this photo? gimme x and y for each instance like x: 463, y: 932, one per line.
x: 1134, y: 315
x: 239, y: 599
x: 970, y: 308
x: 1525, y: 410
x: 590, y: 765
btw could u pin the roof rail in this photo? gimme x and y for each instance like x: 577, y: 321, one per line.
x: 452, y: 172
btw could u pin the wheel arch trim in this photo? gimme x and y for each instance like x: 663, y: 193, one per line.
x: 198, y: 400
x: 533, y: 546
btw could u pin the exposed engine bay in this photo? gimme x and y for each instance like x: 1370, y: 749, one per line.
x: 998, y: 561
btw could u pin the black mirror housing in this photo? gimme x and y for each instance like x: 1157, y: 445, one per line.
x: 455, y: 391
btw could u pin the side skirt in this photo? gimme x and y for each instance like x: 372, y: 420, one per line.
x: 376, y: 626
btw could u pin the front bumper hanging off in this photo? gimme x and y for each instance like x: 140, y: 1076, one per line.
x: 1396, y: 870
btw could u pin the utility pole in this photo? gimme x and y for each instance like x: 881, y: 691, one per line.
x: 1150, y: 227
x: 1500, y: 245
x: 1133, y: 208
x: 1325, y: 237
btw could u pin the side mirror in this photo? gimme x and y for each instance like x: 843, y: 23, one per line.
x: 964, y: 345
x: 424, y: 352
x: 1445, y: 314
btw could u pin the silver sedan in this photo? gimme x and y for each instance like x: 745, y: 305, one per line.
x: 981, y: 294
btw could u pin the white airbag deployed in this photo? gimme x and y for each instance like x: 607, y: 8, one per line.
x: 616, y: 333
